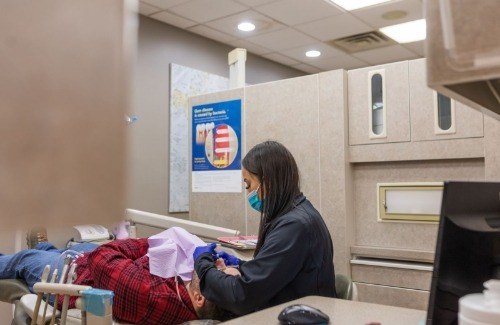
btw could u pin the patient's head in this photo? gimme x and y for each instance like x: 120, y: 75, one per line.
x: 205, y: 309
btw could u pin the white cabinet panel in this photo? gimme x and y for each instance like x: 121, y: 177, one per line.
x: 395, y: 101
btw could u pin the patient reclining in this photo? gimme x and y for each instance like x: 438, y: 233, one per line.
x: 141, y: 296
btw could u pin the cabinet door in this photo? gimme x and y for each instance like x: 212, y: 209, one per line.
x: 435, y: 118
x: 378, y: 101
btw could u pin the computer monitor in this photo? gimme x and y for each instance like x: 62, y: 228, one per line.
x: 467, y: 249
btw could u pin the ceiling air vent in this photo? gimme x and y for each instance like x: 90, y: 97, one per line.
x: 362, y: 42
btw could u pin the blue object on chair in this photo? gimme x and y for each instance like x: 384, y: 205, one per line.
x: 98, y: 301
x: 344, y: 287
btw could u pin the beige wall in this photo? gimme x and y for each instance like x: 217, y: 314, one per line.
x: 370, y: 232
x: 299, y: 132
x: 336, y: 205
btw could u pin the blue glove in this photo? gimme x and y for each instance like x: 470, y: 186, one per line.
x: 209, y: 248
x: 229, y: 260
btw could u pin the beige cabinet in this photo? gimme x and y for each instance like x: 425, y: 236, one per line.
x: 433, y: 119
x: 392, y: 296
x: 393, y: 283
x: 378, y: 103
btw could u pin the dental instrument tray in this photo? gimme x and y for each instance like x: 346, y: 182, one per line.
x: 239, y: 242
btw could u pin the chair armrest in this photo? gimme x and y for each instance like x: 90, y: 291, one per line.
x: 11, y: 290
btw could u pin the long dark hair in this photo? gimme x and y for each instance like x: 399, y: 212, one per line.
x: 277, y: 170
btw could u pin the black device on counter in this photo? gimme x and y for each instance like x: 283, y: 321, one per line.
x: 467, y: 249
x: 302, y: 314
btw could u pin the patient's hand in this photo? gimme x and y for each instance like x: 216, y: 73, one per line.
x: 232, y: 271
x: 221, y: 266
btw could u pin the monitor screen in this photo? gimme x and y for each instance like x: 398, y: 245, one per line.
x: 467, y: 249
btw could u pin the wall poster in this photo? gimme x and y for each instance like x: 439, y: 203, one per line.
x: 216, y: 147
x: 184, y: 83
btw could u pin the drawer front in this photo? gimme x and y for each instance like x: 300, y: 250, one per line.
x: 391, y: 296
x: 393, y: 277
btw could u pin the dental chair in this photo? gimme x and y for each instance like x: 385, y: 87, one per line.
x: 16, y: 292
x: 94, y: 305
x: 346, y: 288
x: 13, y: 291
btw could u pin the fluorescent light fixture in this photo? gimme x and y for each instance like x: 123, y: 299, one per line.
x: 357, y: 4
x: 246, y: 27
x: 313, y: 54
x: 408, y: 32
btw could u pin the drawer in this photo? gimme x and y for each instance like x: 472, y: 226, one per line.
x: 392, y: 276
x: 391, y: 296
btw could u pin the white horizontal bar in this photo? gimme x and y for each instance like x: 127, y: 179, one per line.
x: 165, y: 222
x: 392, y: 264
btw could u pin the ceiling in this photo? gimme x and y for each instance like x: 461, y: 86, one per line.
x: 286, y: 29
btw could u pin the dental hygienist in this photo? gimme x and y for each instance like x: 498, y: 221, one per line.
x: 294, y: 253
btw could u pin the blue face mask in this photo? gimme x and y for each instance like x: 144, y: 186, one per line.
x: 254, y: 200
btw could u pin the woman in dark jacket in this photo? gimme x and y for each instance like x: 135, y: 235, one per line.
x: 294, y: 253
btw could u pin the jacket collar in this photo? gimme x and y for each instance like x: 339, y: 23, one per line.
x: 299, y: 199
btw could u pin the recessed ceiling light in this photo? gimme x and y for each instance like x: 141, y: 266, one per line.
x: 313, y: 54
x: 394, y: 14
x: 411, y: 31
x: 357, y: 4
x: 246, y: 27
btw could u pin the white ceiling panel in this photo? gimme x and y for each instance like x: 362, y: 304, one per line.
x: 250, y: 47
x: 164, y: 4
x: 338, y: 62
x: 374, y: 15
x: 206, y: 10
x: 146, y: 10
x: 386, y: 54
x: 211, y: 33
x: 334, y: 27
x: 286, y: 29
x: 280, y: 58
x: 282, y: 39
x: 299, y: 53
x: 172, y: 19
x: 417, y: 47
x: 262, y: 24
x: 254, y: 3
x: 294, y: 12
